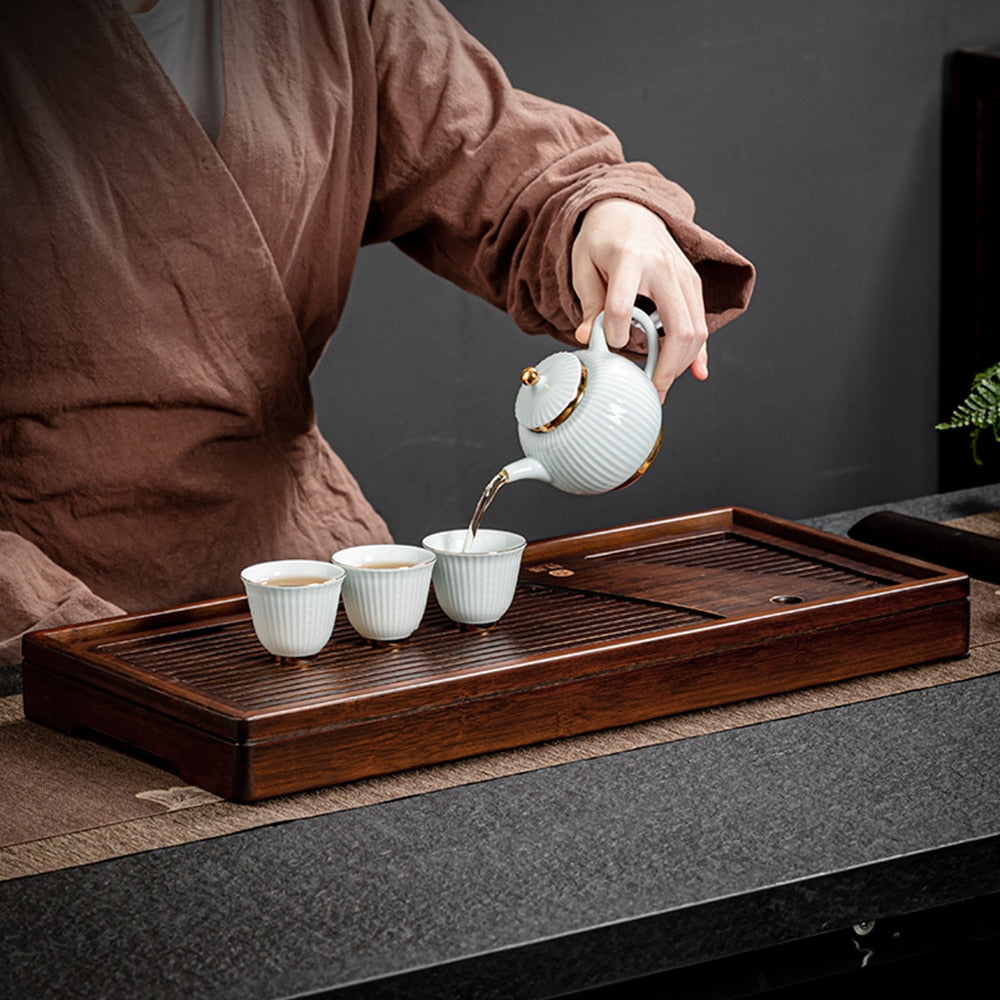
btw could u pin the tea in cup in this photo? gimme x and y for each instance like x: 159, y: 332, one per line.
x: 385, y: 589
x: 293, y: 604
x: 475, y: 580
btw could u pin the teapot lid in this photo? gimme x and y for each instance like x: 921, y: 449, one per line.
x: 550, y: 391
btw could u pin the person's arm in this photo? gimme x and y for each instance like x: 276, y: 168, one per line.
x: 35, y: 593
x: 490, y: 187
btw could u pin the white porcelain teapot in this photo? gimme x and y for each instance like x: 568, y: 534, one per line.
x: 589, y: 421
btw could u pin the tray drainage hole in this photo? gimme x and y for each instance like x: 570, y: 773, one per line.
x: 786, y: 599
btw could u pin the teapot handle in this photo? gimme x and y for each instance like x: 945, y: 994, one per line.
x: 640, y: 319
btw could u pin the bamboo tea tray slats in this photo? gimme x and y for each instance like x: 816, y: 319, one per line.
x: 607, y: 628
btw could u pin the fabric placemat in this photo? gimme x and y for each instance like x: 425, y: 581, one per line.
x: 66, y: 802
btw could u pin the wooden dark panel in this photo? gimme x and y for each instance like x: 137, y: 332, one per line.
x: 970, y: 253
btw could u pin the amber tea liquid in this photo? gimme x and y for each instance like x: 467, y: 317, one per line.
x: 485, y: 499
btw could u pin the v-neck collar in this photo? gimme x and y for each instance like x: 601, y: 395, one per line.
x: 144, y: 59
x: 184, y: 36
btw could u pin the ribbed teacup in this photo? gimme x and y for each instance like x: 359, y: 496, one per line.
x: 475, y: 587
x: 385, y: 589
x: 293, y: 604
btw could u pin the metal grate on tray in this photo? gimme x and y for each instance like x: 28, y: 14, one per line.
x: 223, y: 660
x: 737, y: 553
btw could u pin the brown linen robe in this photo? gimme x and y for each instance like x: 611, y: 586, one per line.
x: 163, y: 299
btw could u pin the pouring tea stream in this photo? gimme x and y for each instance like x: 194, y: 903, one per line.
x: 589, y: 421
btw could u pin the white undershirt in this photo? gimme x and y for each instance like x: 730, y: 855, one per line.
x: 184, y: 37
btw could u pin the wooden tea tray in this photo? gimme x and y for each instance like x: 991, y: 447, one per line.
x: 607, y: 628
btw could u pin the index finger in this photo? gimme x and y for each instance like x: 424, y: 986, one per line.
x: 619, y: 300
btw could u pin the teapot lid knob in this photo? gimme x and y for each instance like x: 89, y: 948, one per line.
x: 530, y: 375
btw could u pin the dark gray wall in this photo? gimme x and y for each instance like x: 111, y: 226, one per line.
x: 808, y: 133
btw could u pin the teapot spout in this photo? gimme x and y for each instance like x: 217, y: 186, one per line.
x: 526, y: 468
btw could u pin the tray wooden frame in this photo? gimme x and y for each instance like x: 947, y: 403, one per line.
x: 608, y: 628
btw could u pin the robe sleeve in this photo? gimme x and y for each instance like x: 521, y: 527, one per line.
x: 485, y: 184
x: 36, y: 593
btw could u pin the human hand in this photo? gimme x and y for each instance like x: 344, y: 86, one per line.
x: 623, y: 250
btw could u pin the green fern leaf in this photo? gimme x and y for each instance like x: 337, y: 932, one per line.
x: 980, y: 410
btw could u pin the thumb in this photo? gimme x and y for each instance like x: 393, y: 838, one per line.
x: 699, y: 367
x: 590, y: 290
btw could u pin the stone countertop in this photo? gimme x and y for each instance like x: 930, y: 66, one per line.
x: 556, y: 880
